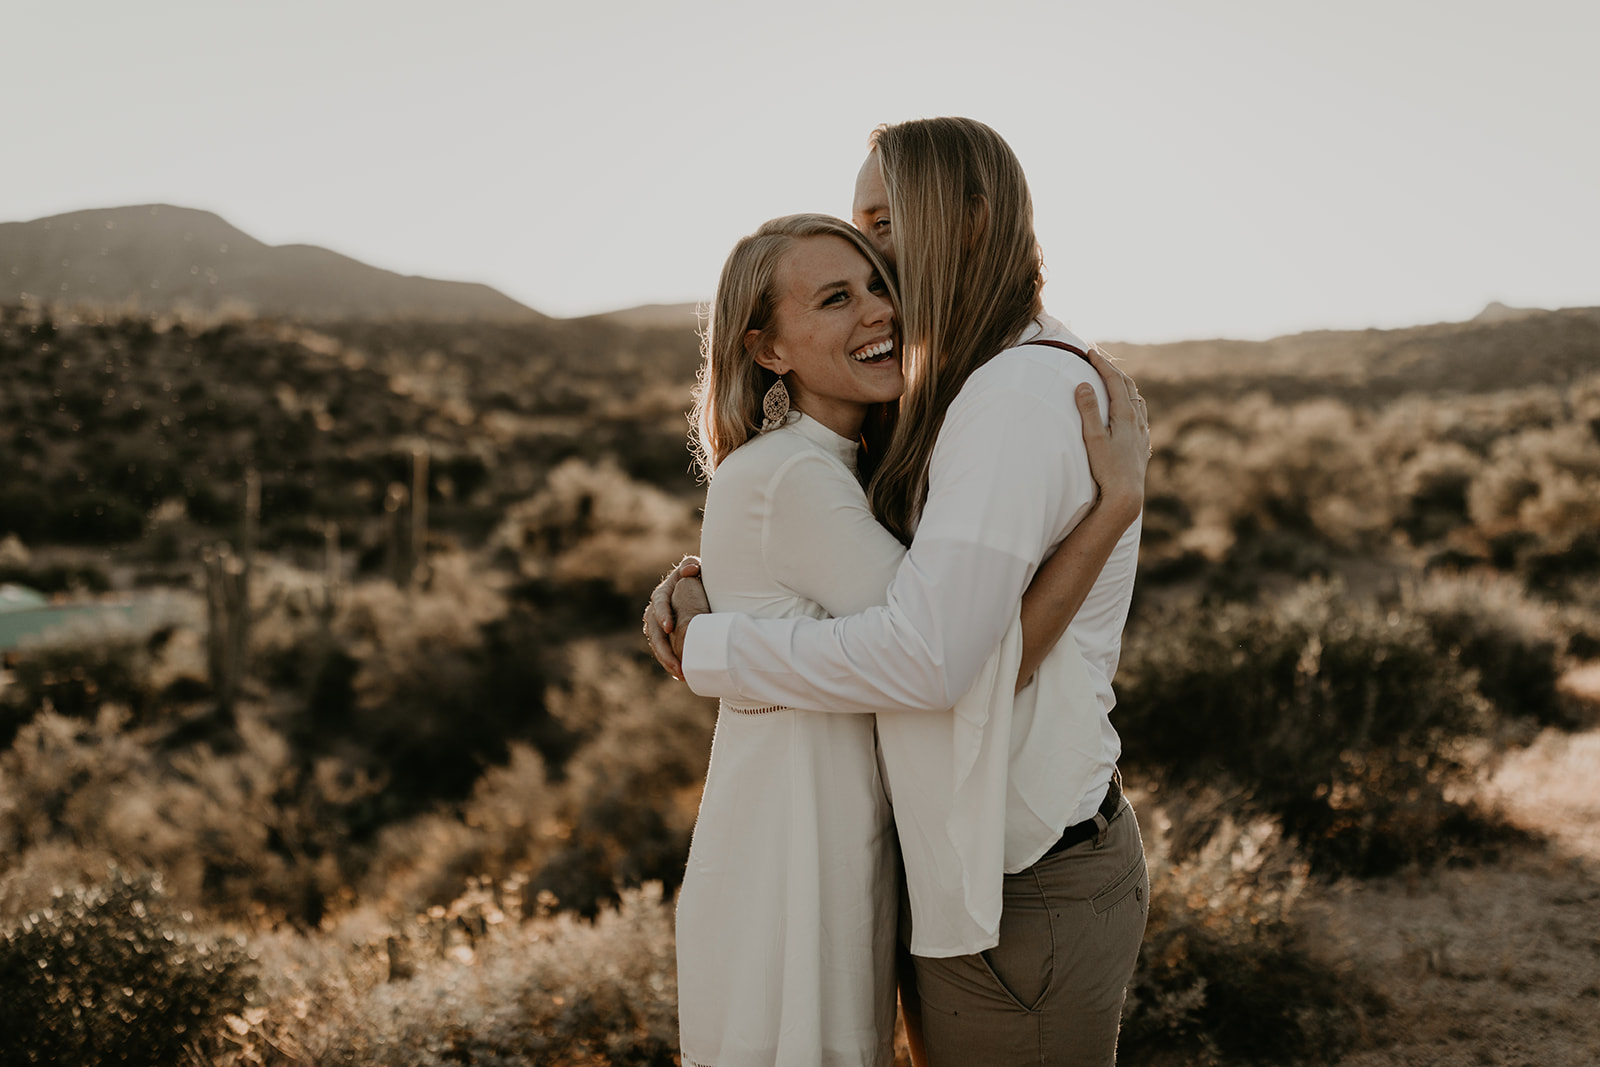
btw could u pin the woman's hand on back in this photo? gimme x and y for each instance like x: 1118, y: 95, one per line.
x: 1119, y: 449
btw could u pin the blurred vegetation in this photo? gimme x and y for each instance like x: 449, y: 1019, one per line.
x: 113, y: 974
x: 449, y: 813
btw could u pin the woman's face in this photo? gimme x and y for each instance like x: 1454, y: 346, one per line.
x: 833, y: 334
x: 870, y: 212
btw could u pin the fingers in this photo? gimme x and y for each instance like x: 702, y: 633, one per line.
x: 1089, y: 409
x: 657, y: 636
x: 660, y: 643
x: 661, y: 648
x: 660, y: 609
x: 661, y: 597
x: 660, y: 618
x: 1126, y: 399
x: 689, y: 599
x: 1114, y: 376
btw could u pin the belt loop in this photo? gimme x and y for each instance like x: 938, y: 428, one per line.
x: 1100, y: 828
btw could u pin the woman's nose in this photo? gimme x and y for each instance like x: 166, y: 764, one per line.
x: 879, y: 309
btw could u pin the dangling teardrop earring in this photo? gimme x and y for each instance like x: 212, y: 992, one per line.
x: 775, y: 406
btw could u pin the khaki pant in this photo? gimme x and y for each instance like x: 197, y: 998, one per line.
x: 1051, y: 992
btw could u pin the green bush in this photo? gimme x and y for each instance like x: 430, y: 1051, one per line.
x: 111, y: 974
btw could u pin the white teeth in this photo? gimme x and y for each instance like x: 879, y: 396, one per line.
x: 873, y: 351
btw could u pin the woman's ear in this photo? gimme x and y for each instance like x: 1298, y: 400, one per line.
x: 755, y: 343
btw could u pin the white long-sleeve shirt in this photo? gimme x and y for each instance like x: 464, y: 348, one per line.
x: 1008, y: 480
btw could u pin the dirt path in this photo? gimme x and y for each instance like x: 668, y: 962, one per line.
x: 1496, y: 965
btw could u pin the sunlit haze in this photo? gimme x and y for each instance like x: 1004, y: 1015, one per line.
x: 1240, y: 168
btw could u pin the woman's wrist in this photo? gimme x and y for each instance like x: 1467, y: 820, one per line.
x: 1122, y: 505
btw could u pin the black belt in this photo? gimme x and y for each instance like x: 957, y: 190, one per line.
x: 1080, y: 832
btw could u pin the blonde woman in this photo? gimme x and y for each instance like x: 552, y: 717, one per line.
x: 1025, y: 870
x: 787, y: 913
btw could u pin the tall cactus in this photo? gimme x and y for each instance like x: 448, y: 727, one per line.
x: 331, y: 586
x: 419, y: 515
x: 228, y: 604
x: 406, y: 551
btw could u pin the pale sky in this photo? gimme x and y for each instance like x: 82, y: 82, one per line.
x: 1238, y: 168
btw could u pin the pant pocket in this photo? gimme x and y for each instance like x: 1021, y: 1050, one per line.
x: 1133, y: 880
x: 1023, y: 963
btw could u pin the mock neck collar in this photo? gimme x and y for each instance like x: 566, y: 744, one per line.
x: 813, y: 431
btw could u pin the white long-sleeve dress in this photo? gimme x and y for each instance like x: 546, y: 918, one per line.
x: 786, y: 917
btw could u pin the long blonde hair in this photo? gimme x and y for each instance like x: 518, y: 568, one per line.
x: 731, y: 384
x: 970, y: 272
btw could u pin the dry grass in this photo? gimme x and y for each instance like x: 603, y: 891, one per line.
x: 1490, y: 965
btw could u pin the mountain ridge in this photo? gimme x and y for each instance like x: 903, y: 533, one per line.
x: 163, y: 258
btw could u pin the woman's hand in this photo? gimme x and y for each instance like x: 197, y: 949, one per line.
x: 660, y: 619
x: 688, y: 600
x: 1119, y: 450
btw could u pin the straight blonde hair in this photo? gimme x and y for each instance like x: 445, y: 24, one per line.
x: 970, y: 275
x: 731, y: 385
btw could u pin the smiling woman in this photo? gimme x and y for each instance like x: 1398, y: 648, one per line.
x: 786, y: 918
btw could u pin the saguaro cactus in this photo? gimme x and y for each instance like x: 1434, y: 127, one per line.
x: 228, y: 603
x: 419, y: 514
x: 406, y: 553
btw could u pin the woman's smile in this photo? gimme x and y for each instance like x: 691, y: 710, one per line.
x: 874, y: 353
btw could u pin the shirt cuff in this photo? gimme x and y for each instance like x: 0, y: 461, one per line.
x: 705, y: 655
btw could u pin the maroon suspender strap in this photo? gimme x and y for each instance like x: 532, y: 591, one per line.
x: 1061, y: 345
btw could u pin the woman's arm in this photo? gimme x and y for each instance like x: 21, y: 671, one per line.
x: 1118, y: 454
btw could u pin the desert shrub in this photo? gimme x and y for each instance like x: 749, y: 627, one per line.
x: 474, y: 981
x: 632, y: 789
x: 56, y: 577
x: 592, y: 523
x: 615, y: 814
x: 1536, y: 501
x: 1265, y: 486
x: 1434, y: 482
x: 1224, y: 976
x: 76, y: 676
x: 252, y: 830
x: 1511, y: 643
x: 425, y: 686
x: 114, y: 974
x: 1337, y: 717
x: 507, y: 827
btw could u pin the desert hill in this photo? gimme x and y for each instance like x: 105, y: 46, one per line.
x: 159, y: 258
x: 657, y: 316
x: 1501, y: 348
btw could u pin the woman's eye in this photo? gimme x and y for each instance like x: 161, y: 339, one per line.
x: 881, y: 223
x: 837, y: 297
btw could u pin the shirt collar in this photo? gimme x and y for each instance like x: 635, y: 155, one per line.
x: 813, y: 431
